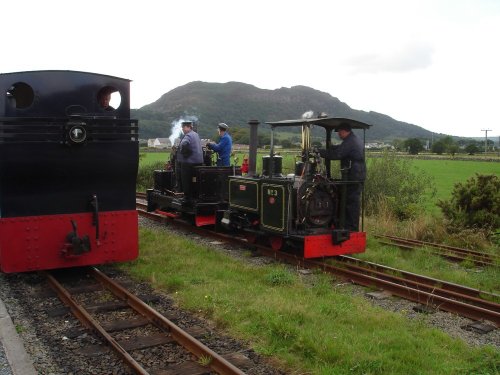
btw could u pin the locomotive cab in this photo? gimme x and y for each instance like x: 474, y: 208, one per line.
x: 305, y: 209
x: 208, y: 191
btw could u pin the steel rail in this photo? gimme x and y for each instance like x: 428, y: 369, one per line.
x: 430, y: 285
x: 217, y: 362
x: 86, y: 319
x: 441, y: 246
x: 406, y: 290
x: 452, y: 256
x: 451, y: 252
x: 461, y: 289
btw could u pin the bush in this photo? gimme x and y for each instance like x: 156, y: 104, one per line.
x: 394, y: 183
x: 414, y: 146
x: 474, y: 204
x: 145, y: 175
x: 471, y: 149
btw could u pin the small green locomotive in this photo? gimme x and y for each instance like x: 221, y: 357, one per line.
x: 305, y: 210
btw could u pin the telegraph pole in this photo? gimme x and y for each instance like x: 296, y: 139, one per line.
x: 485, y: 139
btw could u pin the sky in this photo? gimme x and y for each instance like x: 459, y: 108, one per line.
x: 432, y: 63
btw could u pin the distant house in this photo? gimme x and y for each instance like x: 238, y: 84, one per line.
x: 239, y: 147
x: 159, y: 143
x: 378, y: 145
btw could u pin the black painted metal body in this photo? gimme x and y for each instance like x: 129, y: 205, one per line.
x: 68, y: 168
x: 209, y: 191
x: 59, y: 148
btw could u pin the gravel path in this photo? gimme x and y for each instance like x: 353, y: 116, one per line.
x: 4, y: 369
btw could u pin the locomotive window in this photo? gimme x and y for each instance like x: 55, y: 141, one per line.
x: 20, y: 95
x: 109, y: 98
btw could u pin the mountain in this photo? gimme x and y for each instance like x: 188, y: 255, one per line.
x: 235, y: 103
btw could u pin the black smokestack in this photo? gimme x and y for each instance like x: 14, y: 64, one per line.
x: 254, y: 141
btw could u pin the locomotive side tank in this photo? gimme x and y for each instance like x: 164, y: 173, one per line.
x: 68, y: 167
x: 302, y: 211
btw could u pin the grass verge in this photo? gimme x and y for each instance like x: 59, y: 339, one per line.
x: 307, y: 326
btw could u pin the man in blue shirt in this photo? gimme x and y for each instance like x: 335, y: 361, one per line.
x: 223, y: 148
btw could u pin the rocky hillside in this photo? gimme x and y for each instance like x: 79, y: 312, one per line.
x: 235, y: 103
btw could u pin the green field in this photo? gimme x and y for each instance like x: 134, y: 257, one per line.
x: 446, y: 172
x: 152, y: 157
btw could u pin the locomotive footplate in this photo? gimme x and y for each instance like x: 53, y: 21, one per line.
x: 202, y: 213
x: 200, y: 208
x: 205, y: 213
x: 180, y: 204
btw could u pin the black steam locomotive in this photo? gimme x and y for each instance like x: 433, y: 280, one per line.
x: 68, y: 166
x: 302, y: 211
x: 207, y: 196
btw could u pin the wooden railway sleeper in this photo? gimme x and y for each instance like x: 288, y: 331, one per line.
x: 84, y: 317
x: 217, y: 362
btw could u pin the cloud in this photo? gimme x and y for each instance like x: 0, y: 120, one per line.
x: 408, y: 57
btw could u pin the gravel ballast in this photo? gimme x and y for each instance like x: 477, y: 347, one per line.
x: 55, y: 343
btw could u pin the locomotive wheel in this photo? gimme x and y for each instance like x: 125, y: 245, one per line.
x: 276, y: 242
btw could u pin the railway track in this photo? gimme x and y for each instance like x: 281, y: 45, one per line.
x: 161, y: 331
x: 435, y: 294
x: 449, y: 252
x: 432, y: 293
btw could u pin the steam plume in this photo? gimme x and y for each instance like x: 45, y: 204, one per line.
x: 177, y: 127
x: 308, y: 114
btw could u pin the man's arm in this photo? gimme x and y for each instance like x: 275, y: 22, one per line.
x: 332, y: 153
x: 220, y: 146
x: 185, y: 146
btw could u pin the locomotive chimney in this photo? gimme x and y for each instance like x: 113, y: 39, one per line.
x: 254, y: 141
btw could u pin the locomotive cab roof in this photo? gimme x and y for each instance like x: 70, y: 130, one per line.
x: 331, y: 123
x: 63, y: 93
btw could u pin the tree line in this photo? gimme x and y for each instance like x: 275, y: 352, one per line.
x: 445, y: 145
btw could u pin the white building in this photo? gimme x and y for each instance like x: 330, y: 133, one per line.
x: 159, y: 143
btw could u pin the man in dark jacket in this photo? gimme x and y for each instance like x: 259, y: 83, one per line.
x: 189, y: 155
x: 352, y: 161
